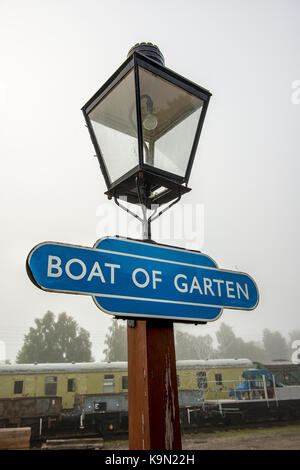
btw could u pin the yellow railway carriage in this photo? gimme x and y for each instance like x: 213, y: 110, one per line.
x: 215, y: 377
x: 62, y: 380
x: 65, y: 380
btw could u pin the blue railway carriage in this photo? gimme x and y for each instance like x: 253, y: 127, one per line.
x: 286, y: 372
x: 260, y: 397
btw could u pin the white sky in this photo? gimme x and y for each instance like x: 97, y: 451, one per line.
x: 55, y: 54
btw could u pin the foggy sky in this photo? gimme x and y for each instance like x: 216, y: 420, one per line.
x: 56, y: 54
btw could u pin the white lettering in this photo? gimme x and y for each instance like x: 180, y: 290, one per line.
x: 55, y: 269
x: 296, y: 354
x: 112, y: 271
x: 207, y: 285
x: 117, y: 460
x: 73, y: 276
x: 244, y: 292
x: 184, y: 284
x: 147, y: 279
x: 96, y: 271
x: 229, y: 289
x: 296, y: 94
x: 155, y: 279
x: 195, y: 285
x: 219, y: 281
x: 55, y: 266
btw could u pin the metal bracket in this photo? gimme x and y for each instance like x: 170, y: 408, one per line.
x: 146, y: 222
x: 131, y: 323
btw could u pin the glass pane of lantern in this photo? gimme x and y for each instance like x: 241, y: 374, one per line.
x: 115, y: 126
x: 170, y: 116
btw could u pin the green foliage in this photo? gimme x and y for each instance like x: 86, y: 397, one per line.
x: 229, y: 346
x: 116, y: 342
x: 193, y: 347
x: 275, y: 345
x: 54, y: 342
x: 190, y: 346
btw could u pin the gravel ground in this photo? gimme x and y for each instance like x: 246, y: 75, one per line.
x: 277, y: 438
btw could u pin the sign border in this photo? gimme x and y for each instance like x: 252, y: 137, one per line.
x: 138, y: 315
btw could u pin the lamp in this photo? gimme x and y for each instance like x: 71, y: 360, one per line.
x: 145, y: 123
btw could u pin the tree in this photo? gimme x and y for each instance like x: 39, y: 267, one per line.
x: 116, y: 342
x: 231, y: 346
x: 189, y: 346
x: 294, y: 335
x: 50, y: 341
x: 227, y: 342
x: 275, y: 345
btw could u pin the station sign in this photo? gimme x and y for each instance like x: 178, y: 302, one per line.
x: 137, y: 279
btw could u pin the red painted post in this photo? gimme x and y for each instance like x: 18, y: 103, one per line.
x: 152, y: 386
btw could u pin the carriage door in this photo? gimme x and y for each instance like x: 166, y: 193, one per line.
x: 201, y: 382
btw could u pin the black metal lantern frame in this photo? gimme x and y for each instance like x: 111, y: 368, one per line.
x: 146, y: 182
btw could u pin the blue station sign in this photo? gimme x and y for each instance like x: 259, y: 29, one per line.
x: 130, y: 278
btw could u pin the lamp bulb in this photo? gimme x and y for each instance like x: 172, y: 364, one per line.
x: 150, y: 122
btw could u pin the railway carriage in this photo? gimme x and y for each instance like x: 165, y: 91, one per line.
x: 66, y: 380
x: 286, y: 372
x: 213, y: 377
x: 94, y: 396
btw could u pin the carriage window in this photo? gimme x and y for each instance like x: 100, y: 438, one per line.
x: 125, y: 382
x: 108, y: 384
x: 18, y: 386
x: 201, y: 379
x: 71, y: 385
x: 218, y: 378
x: 50, y: 385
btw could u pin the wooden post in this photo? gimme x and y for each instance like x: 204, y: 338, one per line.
x: 152, y: 386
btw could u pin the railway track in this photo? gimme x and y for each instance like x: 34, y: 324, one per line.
x: 39, y: 442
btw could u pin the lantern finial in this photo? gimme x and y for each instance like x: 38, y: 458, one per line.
x: 149, y: 50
